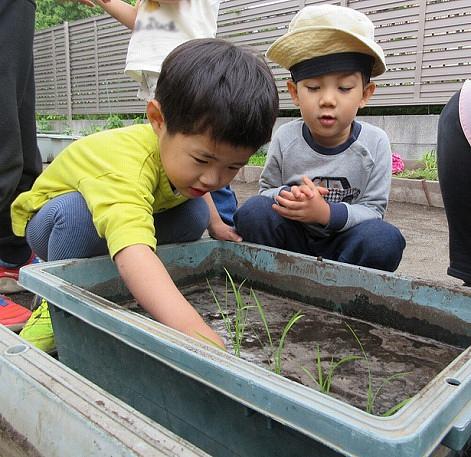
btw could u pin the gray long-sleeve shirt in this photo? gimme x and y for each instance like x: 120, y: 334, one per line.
x: 357, y: 173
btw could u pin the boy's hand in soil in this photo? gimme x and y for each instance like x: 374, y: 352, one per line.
x: 304, y: 203
x: 151, y: 285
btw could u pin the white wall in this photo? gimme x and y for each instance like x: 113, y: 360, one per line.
x: 410, y: 136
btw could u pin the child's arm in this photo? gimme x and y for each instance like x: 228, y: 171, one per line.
x: 151, y: 285
x: 119, y: 9
x: 122, y: 11
x: 217, y: 228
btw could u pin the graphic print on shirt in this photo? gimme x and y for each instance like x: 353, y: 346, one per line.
x: 339, y: 189
x: 150, y: 6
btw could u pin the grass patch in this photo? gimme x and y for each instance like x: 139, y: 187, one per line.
x: 258, y: 159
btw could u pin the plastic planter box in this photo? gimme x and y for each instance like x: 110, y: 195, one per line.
x: 230, y: 407
x: 50, y: 144
x: 49, y: 410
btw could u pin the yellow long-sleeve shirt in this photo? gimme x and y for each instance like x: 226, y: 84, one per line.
x: 120, y: 176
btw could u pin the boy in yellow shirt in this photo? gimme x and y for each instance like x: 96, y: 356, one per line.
x: 122, y: 191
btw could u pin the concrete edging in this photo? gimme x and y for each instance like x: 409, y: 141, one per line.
x: 416, y: 191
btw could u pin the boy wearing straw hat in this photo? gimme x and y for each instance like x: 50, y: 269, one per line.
x: 325, y: 185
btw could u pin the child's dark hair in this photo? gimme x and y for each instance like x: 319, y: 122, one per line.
x: 211, y: 85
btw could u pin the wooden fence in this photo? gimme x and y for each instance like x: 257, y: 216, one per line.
x: 79, y: 66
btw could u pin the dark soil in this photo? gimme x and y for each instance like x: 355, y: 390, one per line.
x: 415, y: 359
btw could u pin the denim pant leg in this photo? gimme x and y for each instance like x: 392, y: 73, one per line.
x: 63, y: 229
x: 186, y: 222
x: 226, y: 203
x: 257, y: 222
x: 373, y: 243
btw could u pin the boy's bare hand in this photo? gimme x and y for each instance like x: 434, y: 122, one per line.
x: 304, y: 203
x: 223, y: 232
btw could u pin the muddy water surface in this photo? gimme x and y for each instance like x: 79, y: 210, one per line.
x: 418, y: 360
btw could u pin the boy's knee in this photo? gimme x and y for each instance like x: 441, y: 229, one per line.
x: 256, y: 210
x: 194, y: 222
x: 68, y: 210
x: 185, y: 222
x: 200, y: 217
x: 385, y: 245
x: 375, y: 244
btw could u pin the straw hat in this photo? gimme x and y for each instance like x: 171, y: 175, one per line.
x: 319, y: 30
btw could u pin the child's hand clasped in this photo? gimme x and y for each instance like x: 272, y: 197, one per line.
x: 304, y: 203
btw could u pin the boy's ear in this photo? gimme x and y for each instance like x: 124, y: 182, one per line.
x: 368, y: 91
x: 293, y: 91
x: 155, y: 116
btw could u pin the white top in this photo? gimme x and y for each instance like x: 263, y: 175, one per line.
x: 160, y: 28
x: 465, y: 109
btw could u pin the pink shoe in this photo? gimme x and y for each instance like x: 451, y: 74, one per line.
x: 9, y: 277
x: 12, y: 315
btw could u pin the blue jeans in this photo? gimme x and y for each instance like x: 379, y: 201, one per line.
x: 226, y: 204
x: 373, y: 243
x: 63, y: 228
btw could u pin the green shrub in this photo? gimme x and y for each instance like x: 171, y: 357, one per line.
x: 428, y: 170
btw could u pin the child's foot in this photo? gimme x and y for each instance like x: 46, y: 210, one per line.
x: 13, y: 315
x: 38, y: 330
x: 9, y: 277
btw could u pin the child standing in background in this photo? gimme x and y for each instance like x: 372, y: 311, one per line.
x: 158, y: 27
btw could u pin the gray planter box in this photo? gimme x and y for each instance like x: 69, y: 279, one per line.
x: 50, y: 144
x: 50, y: 410
x: 228, y: 406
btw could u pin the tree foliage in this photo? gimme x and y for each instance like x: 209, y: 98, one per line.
x: 55, y: 12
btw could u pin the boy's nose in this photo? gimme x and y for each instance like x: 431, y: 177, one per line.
x: 210, y: 179
x: 327, y: 98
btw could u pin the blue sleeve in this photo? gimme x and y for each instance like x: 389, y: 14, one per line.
x: 338, y: 216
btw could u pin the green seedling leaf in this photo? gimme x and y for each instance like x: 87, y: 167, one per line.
x: 324, y: 381
x: 396, y: 408
x: 225, y: 317
x: 371, y: 395
x: 210, y: 341
x: 277, y: 356
x: 262, y: 316
x: 388, y: 380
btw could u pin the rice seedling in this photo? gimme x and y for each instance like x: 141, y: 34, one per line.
x: 235, y: 328
x: 325, y: 377
x: 372, y: 394
x: 276, y: 351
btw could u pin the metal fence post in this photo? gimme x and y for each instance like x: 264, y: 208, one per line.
x: 419, y: 50
x: 67, y: 71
